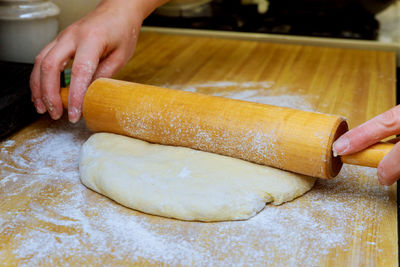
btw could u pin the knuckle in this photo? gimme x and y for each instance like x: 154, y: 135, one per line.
x: 391, y: 118
x: 71, y: 29
x: 69, y: 34
x: 48, y: 64
x: 94, y: 33
x: 38, y: 59
x: 48, y: 98
x: 82, y: 69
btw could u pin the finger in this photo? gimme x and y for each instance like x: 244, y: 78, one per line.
x: 389, y: 167
x: 51, y: 67
x: 369, y: 133
x: 34, y: 81
x: 85, y: 64
x: 110, y: 65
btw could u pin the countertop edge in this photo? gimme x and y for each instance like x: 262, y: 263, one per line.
x: 286, y: 39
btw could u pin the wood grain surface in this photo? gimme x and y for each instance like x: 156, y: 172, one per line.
x: 48, y: 218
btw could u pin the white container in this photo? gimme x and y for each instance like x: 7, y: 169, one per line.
x: 26, y: 27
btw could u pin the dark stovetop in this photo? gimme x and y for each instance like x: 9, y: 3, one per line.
x: 16, y: 108
x: 352, y: 22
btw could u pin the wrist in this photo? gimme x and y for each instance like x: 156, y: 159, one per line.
x: 135, y: 9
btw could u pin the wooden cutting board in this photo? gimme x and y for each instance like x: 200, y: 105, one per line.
x: 48, y: 218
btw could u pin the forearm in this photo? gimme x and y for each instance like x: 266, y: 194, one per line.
x: 141, y: 8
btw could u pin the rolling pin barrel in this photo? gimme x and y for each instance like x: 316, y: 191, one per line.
x: 284, y: 138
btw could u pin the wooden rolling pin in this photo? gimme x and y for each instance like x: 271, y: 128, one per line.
x: 284, y: 138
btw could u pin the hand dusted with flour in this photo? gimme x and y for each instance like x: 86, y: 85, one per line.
x: 183, y: 183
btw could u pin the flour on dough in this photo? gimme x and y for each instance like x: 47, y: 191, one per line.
x: 183, y: 183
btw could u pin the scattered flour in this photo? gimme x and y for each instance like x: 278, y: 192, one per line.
x: 64, y: 221
x: 250, y: 91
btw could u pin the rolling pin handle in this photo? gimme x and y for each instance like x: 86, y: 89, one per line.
x: 369, y: 157
x: 64, y: 96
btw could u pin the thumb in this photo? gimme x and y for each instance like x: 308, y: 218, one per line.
x: 389, y: 167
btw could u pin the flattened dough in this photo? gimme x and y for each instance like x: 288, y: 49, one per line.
x: 181, y: 182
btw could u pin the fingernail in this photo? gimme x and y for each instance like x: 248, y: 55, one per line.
x: 54, y: 115
x: 74, y: 114
x: 49, y: 106
x: 341, y: 145
x: 52, y: 111
x: 40, y: 107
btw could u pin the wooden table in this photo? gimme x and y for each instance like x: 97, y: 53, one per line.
x: 48, y: 218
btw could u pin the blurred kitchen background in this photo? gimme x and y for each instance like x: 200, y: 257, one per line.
x: 350, y: 19
x: 26, y: 26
